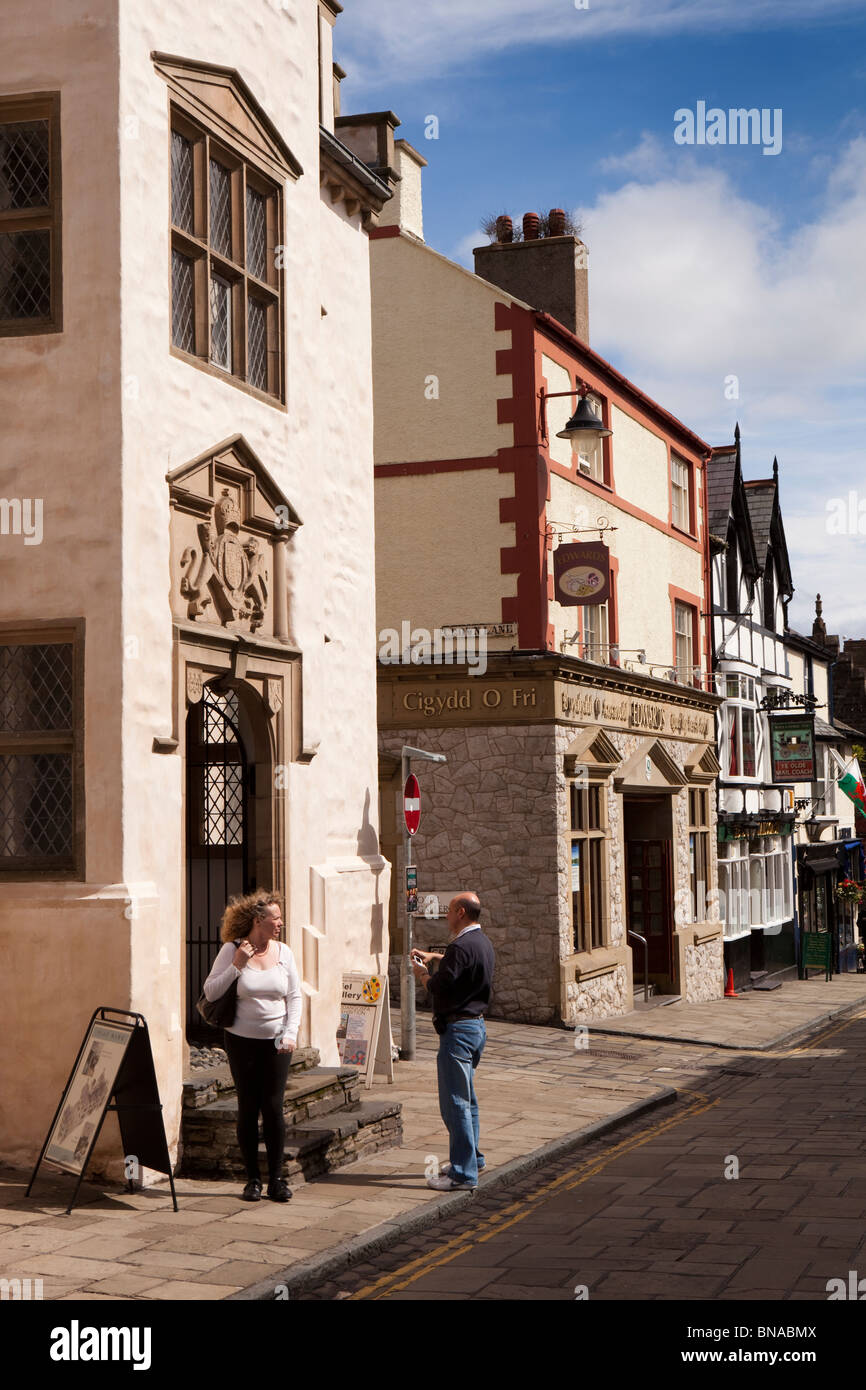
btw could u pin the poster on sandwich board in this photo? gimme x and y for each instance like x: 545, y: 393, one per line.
x: 364, y: 1033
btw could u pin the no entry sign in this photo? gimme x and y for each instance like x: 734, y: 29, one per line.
x: 412, y: 803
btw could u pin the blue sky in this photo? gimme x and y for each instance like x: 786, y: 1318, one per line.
x: 705, y: 262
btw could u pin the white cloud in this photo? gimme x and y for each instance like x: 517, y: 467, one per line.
x: 650, y: 158
x: 384, y: 39
x: 692, y: 280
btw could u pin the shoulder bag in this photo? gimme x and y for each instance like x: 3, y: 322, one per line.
x: 219, y: 1013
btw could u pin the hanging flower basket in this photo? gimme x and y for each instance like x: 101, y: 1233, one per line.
x: 849, y: 891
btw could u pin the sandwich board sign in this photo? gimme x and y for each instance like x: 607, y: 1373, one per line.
x: 113, y: 1072
x: 364, y: 1034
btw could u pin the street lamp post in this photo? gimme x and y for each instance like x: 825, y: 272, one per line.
x: 407, y: 978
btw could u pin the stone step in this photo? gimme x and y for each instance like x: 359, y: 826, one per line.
x: 202, y: 1085
x: 318, y: 1146
x: 209, y: 1130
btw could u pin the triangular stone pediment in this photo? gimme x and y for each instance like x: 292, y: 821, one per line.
x: 233, y: 467
x: 222, y: 101
x: 703, y: 766
x: 650, y: 768
x: 592, y: 749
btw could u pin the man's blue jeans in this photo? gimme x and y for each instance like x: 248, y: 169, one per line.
x: 460, y: 1048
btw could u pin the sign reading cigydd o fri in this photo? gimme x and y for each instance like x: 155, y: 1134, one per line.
x: 581, y: 573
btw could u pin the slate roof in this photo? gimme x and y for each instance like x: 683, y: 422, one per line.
x: 852, y: 735
x: 721, y: 469
x: 760, y: 496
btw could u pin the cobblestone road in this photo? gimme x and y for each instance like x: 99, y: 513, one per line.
x: 752, y: 1186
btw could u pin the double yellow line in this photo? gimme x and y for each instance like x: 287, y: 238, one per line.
x: 501, y: 1221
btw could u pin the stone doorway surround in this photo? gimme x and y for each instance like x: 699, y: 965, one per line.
x: 231, y: 532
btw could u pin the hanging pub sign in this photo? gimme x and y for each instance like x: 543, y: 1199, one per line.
x: 793, y: 744
x: 581, y: 573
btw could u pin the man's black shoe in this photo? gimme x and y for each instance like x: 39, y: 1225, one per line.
x: 253, y: 1191
x: 279, y: 1191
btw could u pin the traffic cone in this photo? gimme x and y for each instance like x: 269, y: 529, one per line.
x: 730, y: 992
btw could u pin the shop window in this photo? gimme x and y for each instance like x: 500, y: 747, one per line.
x: 699, y: 854
x: 769, y: 880
x: 734, y: 888
x: 587, y: 865
x: 40, y: 747
x: 226, y: 287
x: 30, y: 259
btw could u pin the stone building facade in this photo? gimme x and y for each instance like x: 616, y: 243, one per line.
x: 498, y: 817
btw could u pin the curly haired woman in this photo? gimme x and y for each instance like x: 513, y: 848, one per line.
x: 260, y: 1041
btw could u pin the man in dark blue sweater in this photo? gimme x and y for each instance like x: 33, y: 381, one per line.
x: 460, y: 990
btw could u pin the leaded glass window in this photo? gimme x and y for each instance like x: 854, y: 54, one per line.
x: 257, y: 234
x: 182, y: 183
x: 182, y: 302
x: 29, y: 214
x: 37, y: 755
x: 226, y: 281
x: 221, y: 322
x: 257, y: 350
x: 221, y: 208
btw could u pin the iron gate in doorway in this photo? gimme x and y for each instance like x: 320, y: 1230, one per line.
x: 219, y: 792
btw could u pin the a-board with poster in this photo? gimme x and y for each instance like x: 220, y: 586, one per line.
x: 364, y: 1032
x: 113, y: 1072
x: 87, y: 1094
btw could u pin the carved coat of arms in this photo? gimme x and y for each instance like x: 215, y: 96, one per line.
x: 227, y: 572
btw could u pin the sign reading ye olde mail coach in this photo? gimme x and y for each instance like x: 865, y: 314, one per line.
x: 581, y: 573
x: 364, y: 1034
x: 793, y: 748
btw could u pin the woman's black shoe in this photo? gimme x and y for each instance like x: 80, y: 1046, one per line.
x: 279, y: 1191
x: 253, y: 1191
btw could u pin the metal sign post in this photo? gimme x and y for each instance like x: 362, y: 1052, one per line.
x: 411, y: 819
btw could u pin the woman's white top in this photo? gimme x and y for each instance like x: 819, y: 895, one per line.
x: 269, y: 1001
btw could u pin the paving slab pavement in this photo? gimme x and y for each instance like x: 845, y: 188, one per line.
x: 535, y: 1090
x: 760, y: 1019
x: 541, y: 1094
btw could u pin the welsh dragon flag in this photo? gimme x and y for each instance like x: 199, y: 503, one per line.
x: 851, y: 781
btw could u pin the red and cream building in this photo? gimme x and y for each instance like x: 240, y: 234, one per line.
x: 577, y: 797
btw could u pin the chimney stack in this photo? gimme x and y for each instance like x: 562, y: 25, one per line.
x: 549, y: 272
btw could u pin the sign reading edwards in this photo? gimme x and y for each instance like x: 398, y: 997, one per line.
x: 581, y: 573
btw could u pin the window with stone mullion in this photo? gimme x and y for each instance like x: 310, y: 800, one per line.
x: 588, y: 831
x: 222, y: 260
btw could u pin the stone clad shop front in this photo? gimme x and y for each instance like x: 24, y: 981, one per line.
x: 579, y: 802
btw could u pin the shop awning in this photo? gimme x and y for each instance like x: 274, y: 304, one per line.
x: 822, y: 866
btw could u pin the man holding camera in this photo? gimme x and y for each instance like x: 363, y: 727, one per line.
x: 460, y: 990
